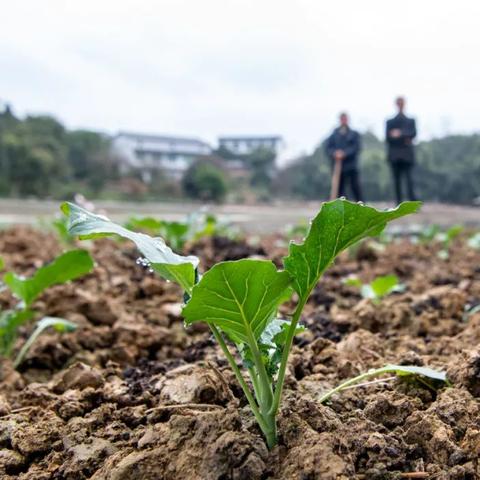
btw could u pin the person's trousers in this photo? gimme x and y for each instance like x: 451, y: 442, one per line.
x: 402, y: 174
x: 351, y: 178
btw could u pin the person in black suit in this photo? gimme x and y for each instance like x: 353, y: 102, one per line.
x: 400, y: 133
x: 344, y: 144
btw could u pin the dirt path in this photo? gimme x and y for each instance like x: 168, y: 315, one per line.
x: 251, y: 218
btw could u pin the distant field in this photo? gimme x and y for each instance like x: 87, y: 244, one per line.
x: 251, y: 218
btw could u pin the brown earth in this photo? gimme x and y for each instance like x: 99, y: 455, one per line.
x: 133, y: 395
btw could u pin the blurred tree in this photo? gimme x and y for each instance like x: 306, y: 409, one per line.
x: 90, y: 159
x: 38, y: 156
x: 33, y: 155
x: 262, y: 164
x: 205, y: 181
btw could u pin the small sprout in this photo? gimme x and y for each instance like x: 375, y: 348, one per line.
x: 66, y: 267
x: 428, y: 376
x: 239, y: 300
x: 59, y: 225
x: 470, y: 310
x: 298, y: 230
x: 177, y: 234
x: 59, y: 324
x: 474, y: 241
x: 428, y: 234
x: 379, y: 288
x: 446, y: 239
x: 385, y: 237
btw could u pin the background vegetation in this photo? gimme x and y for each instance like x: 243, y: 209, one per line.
x: 40, y: 157
x: 447, y: 170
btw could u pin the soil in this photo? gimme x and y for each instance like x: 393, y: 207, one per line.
x: 132, y: 394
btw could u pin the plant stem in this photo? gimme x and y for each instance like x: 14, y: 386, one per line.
x: 271, y: 431
x: 26, y: 346
x: 233, y: 364
x: 286, y: 351
x: 256, y: 386
x: 264, y: 383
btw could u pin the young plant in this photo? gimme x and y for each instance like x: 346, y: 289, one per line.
x: 446, y: 238
x: 239, y: 300
x: 66, y: 267
x: 298, y: 230
x: 60, y: 227
x: 58, y: 324
x: 177, y: 234
x: 474, y: 241
x: 469, y: 310
x: 378, y: 288
x: 427, y: 234
x: 425, y: 375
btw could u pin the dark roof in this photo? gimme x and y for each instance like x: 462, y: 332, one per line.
x: 161, y: 138
x: 275, y: 138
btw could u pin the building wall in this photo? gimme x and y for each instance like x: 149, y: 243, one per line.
x: 173, y: 156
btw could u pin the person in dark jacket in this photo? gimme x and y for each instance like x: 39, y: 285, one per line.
x: 400, y: 133
x: 344, y: 144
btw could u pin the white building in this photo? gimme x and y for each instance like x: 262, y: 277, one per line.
x: 246, y: 145
x: 146, y: 153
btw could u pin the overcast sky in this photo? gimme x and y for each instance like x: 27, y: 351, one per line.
x: 231, y: 67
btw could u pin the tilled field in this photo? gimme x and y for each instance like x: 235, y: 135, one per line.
x: 133, y: 395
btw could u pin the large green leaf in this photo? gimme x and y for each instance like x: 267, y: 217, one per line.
x: 239, y: 297
x: 68, y: 266
x: 338, y: 225
x: 162, y: 259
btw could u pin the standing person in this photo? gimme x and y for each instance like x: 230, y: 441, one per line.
x: 343, y: 146
x: 401, y: 131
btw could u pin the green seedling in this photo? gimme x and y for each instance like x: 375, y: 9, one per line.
x: 208, y: 225
x: 66, y: 267
x: 61, y: 229
x: 385, y: 238
x: 428, y: 234
x: 58, y: 324
x: 177, y: 234
x: 429, y: 377
x: 298, y: 230
x: 379, y: 288
x: 239, y: 300
x: 446, y: 238
x: 58, y: 225
x: 474, y: 241
x: 470, y: 310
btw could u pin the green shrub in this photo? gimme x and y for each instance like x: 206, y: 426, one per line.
x: 205, y: 181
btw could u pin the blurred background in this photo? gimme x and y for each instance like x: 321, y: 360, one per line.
x: 230, y: 102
